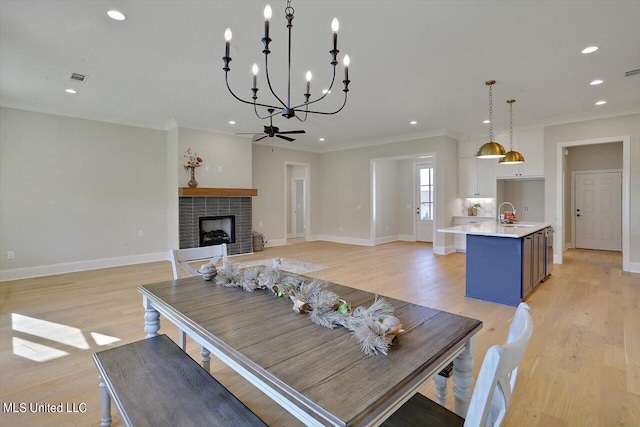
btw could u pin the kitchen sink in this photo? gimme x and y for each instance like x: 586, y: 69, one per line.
x: 518, y: 225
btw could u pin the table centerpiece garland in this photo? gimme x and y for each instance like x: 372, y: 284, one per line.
x: 374, y: 327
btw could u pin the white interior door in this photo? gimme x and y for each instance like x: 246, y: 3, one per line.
x: 598, y: 210
x: 425, y: 205
x: 298, y: 214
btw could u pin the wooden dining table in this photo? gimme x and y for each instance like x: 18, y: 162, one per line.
x: 319, y: 375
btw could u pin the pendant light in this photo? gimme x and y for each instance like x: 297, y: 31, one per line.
x: 491, y: 150
x: 512, y: 157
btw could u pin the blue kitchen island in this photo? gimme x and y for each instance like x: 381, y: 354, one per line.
x: 504, y: 261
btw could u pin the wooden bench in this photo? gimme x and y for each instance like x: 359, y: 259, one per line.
x: 154, y: 383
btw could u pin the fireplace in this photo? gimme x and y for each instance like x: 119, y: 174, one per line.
x: 192, y: 209
x: 216, y: 230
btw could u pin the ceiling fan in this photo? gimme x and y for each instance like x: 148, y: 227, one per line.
x: 271, y: 131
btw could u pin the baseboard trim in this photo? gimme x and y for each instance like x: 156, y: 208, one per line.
x: 343, y: 239
x: 632, y: 267
x: 276, y: 242
x: 443, y: 250
x: 70, y: 267
x: 387, y: 239
x: 396, y: 238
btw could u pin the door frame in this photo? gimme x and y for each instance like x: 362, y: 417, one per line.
x: 573, y: 196
x: 558, y: 248
x: 416, y: 200
x: 307, y: 199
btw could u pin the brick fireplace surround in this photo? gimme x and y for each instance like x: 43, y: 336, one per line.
x: 191, y: 208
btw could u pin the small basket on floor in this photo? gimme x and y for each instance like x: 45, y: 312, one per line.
x: 258, y: 242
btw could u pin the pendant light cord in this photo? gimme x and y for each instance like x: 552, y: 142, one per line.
x: 511, y: 126
x: 490, y: 113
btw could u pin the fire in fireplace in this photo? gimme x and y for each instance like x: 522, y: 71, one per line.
x: 215, y: 230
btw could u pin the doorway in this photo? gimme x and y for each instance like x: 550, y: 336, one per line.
x: 563, y: 195
x: 297, y: 216
x: 597, y: 218
x: 424, y: 202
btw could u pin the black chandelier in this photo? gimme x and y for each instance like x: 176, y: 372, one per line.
x: 287, y: 108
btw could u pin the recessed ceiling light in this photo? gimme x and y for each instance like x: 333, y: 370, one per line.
x: 231, y: 122
x: 589, y: 49
x: 321, y: 139
x: 70, y: 91
x: 413, y: 122
x: 117, y: 15
x: 486, y: 122
x: 601, y: 102
x: 596, y: 82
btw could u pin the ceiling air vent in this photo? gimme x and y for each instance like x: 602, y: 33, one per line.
x: 632, y: 73
x: 80, y: 78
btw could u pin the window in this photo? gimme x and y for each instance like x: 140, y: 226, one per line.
x: 426, y: 192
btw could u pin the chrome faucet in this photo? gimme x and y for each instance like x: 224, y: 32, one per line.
x: 513, y: 210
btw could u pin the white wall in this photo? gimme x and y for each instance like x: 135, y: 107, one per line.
x: 346, y: 188
x: 232, y: 153
x: 269, y: 213
x: 73, y: 190
x: 406, y: 215
x: 387, y: 198
x: 527, y: 195
x: 591, y: 130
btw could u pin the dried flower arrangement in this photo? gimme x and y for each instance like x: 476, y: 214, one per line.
x: 193, y: 160
x: 374, y: 327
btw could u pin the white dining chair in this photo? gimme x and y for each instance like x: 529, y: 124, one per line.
x: 181, y: 258
x: 493, y: 391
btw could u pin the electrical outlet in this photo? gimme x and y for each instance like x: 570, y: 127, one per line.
x: 10, y: 255
x: 526, y: 208
x: 261, y: 224
x: 359, y: 207
x: 140, y: 232
x: 206, y: 168
x: 341, y: 228
x: 219, y: 169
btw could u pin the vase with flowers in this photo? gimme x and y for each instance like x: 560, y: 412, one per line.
x: 193, y: 161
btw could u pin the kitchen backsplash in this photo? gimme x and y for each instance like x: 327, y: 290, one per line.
x: 484, y: 207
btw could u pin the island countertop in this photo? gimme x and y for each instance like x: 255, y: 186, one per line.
x: 491, y: 228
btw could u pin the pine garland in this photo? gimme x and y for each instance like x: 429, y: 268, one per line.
x: 374, y: 327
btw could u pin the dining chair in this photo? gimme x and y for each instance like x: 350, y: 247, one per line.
x: 493, y: 391
x: 182, y: 257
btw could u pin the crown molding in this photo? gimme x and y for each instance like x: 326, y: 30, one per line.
x: 86, y: 116
x: 554, y: 121
x: 392, y: 139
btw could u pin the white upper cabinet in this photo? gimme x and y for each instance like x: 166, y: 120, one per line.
x: 476, y: 177
x: 529, y: 143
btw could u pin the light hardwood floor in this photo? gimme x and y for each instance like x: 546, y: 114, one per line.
x: 582, y: 367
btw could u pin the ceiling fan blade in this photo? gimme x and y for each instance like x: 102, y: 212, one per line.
x: 258, y: 138
x: 286, y: 138
x: 248, y: 133
x: 291, y: 131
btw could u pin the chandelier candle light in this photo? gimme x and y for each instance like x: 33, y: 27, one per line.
x: 285, y: 106
x: 512, y: 157
x: 491, y: 150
